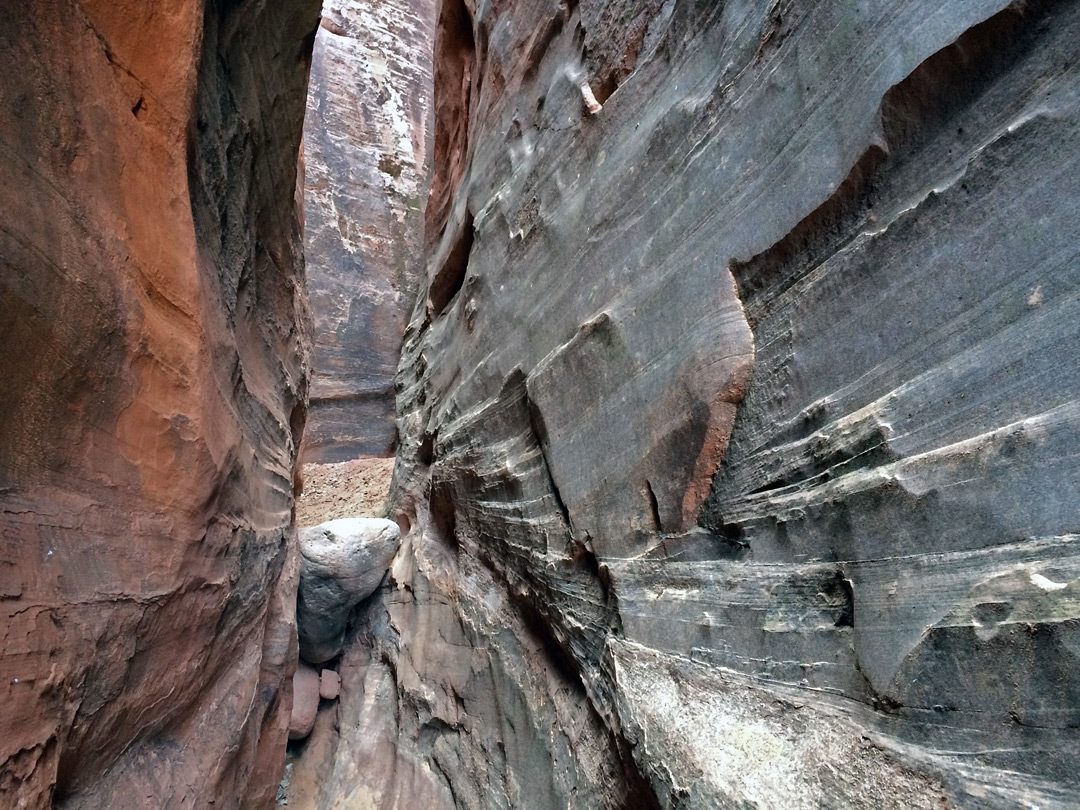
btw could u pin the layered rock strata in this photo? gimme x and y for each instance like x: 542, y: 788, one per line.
x: 738, y: 416
x: 155, y: 357
x: 365, y: 144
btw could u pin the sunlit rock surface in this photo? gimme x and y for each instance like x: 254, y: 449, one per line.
x: 154, y: 359
x: 739, y: 416
x: 365, y: 146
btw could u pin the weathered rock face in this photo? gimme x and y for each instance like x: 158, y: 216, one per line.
x: 739, y: 416
x: 365, y: 142
x: 155, y: 352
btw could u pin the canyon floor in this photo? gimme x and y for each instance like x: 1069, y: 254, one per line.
x: 356, y: 488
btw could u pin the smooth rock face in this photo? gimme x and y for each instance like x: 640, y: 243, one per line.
x: 329, y: 684
x: 739, y: 416
x: 306, y: 689
x: 365, y: 146
x: 155, y: 357
x: 342, y: 562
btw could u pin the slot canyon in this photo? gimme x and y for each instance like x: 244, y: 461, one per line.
x: 539, y: 404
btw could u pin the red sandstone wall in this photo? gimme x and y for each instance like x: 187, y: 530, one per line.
x: 154, y: 359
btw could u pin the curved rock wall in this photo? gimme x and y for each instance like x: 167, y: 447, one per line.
x: 155, y: 356
x: 738, y: 415
x: 365, y: 149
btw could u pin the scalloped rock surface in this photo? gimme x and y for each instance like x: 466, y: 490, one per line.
x: 739, y: 417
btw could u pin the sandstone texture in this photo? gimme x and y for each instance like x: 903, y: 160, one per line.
x: 739, y: 417
x: 155, y: 357
x: 342, y: 562
x: 306, y: 692
x: 365, y: 145
x: 329, y: 684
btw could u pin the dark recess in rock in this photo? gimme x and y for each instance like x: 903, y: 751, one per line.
x: 447, y: 282
x: 453, y: 77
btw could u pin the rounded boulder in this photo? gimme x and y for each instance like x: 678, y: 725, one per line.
x: 342, y: 562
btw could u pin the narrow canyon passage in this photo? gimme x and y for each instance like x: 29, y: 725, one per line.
x: 706, y: 374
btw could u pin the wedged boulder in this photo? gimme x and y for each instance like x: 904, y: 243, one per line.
x: 342, y: 562
x: 306, y: 692
x: 329, y: 685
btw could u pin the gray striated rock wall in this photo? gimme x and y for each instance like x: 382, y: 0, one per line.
x: 739, y: 416
x: 365, y: 145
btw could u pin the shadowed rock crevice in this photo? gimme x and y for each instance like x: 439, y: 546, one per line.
x: 451, y: 276
x: 540, y: 600
x: 455, y: 65
x: 654, y: 507
x: 536, y: 424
